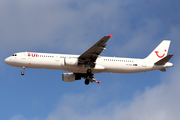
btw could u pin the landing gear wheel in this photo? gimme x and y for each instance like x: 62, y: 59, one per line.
x: 86, y: 81
x: 22, y: 73
x: 89, y: 71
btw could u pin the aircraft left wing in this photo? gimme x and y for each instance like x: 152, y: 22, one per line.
x: 89, y: 57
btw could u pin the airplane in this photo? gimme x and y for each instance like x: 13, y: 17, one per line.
x: 90, y: 62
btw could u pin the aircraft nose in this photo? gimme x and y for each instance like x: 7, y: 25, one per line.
x: 6, y: 60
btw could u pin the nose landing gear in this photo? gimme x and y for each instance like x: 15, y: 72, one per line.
x: 22, y: 73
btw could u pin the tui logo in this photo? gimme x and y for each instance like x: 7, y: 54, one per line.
x: 159, y: 55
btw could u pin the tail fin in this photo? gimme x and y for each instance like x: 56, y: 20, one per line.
x: 159, y: 52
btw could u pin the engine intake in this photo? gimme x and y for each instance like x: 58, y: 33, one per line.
x: 70, y: 77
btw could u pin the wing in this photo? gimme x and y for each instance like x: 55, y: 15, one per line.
x: 89, y: 57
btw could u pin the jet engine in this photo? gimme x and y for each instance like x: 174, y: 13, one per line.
x: 70, y: 77
x: 71, y: 61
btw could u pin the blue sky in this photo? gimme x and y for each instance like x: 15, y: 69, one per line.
x: 72, y: 26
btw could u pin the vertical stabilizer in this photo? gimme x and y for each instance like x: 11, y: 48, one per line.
x: 159, y: 52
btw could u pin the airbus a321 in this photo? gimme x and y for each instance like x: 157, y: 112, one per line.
x: 90, y: 62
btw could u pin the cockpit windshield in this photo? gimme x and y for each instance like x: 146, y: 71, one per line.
x: 14, y: 55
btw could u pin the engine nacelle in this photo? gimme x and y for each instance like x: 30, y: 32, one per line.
x: 71, y: 61
x: 70, y: 77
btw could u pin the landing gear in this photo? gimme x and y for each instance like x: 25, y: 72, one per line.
x: 22, y: 73
x: 86, y: 81
x: 89, y: 72
x: 89, y: 77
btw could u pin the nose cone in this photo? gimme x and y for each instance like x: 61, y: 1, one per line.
x: 7, y: 60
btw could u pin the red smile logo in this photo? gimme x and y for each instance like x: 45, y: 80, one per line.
x: 159, y: 55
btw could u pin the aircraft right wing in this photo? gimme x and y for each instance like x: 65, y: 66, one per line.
x: 89, y: 57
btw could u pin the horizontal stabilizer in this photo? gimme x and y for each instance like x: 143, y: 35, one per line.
x: 164, y: 60
x: 163, y: 69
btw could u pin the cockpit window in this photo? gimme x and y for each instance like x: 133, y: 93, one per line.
x: 14, y: 55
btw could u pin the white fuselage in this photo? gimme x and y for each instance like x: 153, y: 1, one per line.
x: 63, y: 62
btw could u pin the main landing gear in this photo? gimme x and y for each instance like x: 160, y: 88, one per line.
x: 89, y: 73
x: 22, y: 73
x: 86, y: 81
x: 89, y: 78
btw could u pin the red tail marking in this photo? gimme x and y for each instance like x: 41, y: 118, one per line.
x: 99, y: 82
x: 159, y: 55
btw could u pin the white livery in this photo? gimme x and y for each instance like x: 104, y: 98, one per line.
x: 90, y: 62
